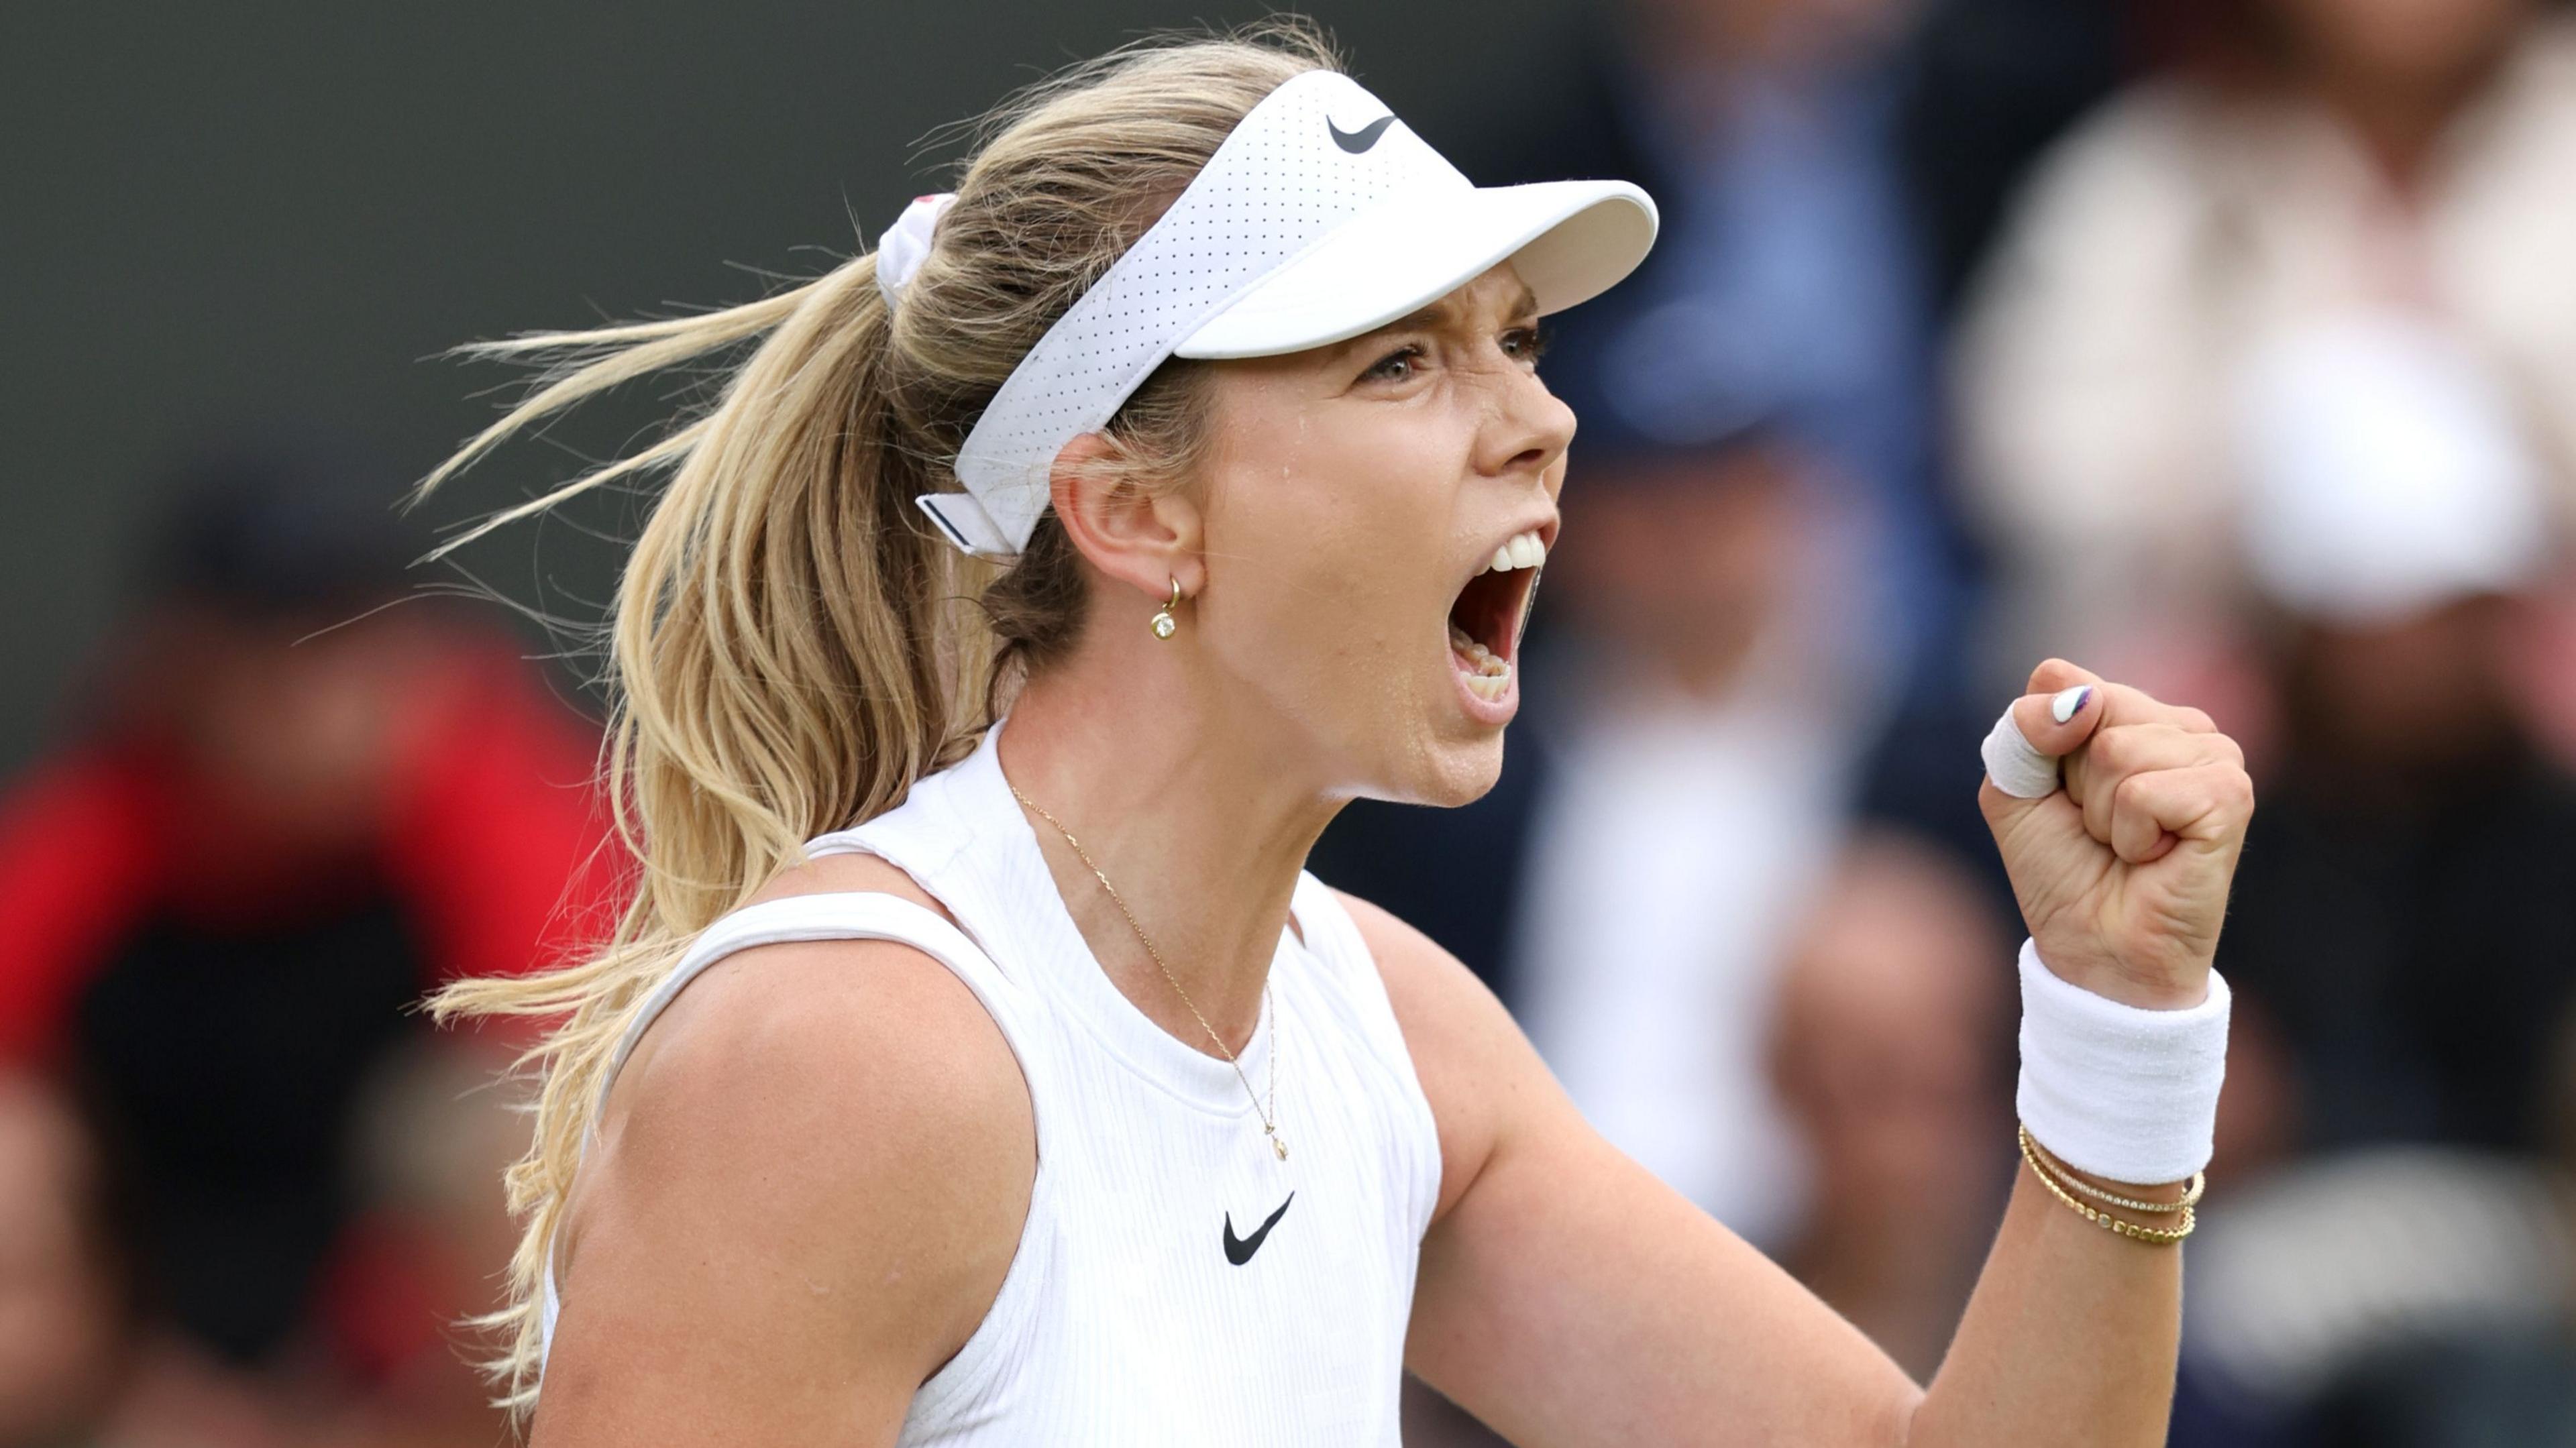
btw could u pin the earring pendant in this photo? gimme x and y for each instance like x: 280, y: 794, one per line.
x: 1164, y: 624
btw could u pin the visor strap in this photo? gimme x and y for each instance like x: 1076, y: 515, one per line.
x: 966, y: 525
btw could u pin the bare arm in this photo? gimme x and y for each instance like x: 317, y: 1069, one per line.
x: 808, y: 1187
x: 1568, y: 1298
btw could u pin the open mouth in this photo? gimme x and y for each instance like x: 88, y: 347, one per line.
x: 1485, y: 622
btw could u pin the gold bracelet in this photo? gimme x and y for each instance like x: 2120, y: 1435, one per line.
x: 2154, y: 1236
x: 2190, y: 1196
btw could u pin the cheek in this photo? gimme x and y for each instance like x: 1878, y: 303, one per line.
x: 1298, y: 594
x: 1327, y: 531
x: 1328, y: 594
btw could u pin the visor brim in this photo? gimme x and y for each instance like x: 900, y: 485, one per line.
x: 1570, y: 241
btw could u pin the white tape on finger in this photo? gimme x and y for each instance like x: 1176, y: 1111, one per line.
x: 2015, y: 764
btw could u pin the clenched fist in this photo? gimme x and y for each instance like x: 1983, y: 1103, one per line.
x: 2122, y: 873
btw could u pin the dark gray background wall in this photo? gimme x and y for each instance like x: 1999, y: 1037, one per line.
x: 218, y: 215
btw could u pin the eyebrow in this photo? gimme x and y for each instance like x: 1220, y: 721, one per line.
x: 1442, y: 311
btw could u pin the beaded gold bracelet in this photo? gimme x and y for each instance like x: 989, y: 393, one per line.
x: 2153, y: 1236
x: 2191, y: 1194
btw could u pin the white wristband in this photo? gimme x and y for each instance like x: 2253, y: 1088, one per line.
x: 2118, y: 1090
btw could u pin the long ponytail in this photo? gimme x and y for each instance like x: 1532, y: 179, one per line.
x: 790, y: 647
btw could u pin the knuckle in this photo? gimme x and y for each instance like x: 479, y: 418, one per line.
x: 2126, y: 748
x: 2109, y: 750
x: 2130, y: 793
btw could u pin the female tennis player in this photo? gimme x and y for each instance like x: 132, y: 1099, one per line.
x: 977, y: 1063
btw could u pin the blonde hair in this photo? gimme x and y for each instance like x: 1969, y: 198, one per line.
x: 790, y: 647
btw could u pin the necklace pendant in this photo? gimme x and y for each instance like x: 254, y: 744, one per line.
x: 1278, y: 1146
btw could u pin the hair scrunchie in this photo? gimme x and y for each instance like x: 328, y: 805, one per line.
x: 901, y: 250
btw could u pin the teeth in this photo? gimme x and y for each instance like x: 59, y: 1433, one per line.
x: 1521, y: 550
x: 1486, y: 673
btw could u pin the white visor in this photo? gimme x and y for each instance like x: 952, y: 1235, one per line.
x: 1320, y: 217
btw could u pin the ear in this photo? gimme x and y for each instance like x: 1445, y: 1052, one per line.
x: 1141, y: 541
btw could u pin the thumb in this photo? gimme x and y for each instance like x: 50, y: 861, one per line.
x: 2021, y: 755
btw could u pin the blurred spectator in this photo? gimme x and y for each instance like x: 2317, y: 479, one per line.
x: 2401, y: 938
x: 1890, y: 1044
x: 282, y: 819
x: 2397, y: 1297
x: 436, y: 1129
x: 2331, y: 156
x: 2347, y: 1263
x: 1788, y: 286
x: 2401, y: 922
x: 1698, y: 741
x: 2508, y: 1381
x: 63, y: 1312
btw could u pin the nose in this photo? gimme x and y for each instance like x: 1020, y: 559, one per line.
x: 1529, y: 430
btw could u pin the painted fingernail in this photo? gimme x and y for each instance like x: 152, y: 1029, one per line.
x: 2069, y: 702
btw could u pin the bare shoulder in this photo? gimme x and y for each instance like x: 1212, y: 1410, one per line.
x: 871, y: 1046
x: 809, y: 1181
x: 1479, y: 1071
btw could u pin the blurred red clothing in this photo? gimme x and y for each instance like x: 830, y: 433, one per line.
x: 489, y: 834
x: 219, y: 913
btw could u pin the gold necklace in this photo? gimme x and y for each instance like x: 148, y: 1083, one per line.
x: 1269, y: 1113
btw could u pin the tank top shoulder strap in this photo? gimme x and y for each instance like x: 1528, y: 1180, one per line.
x: 1333, y: 938
x: 836, y: 915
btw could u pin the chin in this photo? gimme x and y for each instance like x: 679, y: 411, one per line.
x: 1471, y: 775
x: 1456, y: 763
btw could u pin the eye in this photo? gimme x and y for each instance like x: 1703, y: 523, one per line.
x: 1527, y: 344
x: 1395, y: 366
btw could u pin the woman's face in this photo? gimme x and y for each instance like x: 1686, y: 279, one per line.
x: 1358, y: 498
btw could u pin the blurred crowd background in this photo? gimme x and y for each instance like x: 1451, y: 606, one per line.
x: 2225, y: 346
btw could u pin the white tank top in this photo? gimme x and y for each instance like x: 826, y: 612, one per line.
x: 1176, y: 1283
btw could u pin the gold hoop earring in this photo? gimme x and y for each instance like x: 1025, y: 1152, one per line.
x: 1164, y: 624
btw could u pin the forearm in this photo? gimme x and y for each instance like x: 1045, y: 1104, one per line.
x: 2120, y: 820
x: 2070, y: 1337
